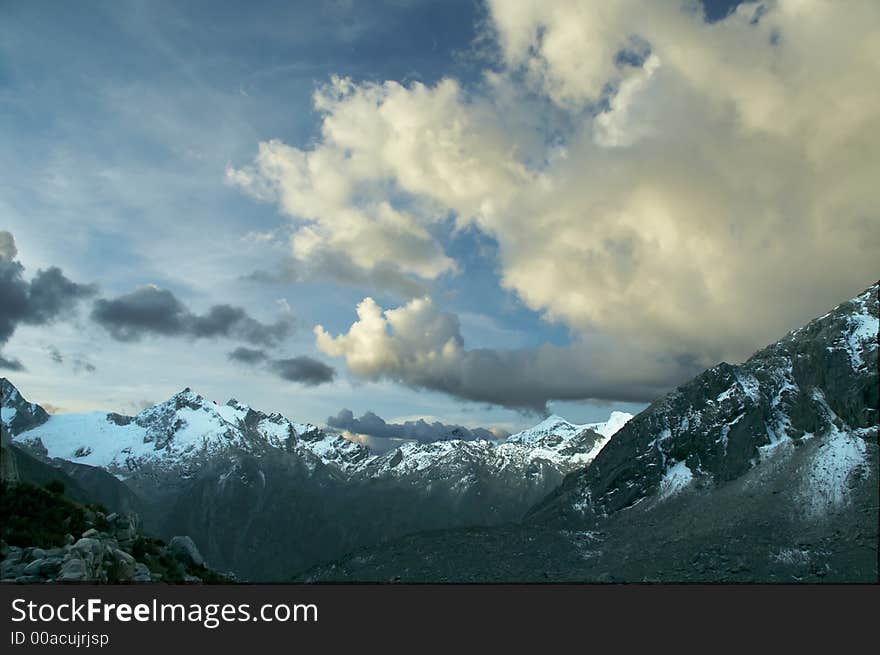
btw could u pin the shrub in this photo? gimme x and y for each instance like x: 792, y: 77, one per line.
x: 36, y: 516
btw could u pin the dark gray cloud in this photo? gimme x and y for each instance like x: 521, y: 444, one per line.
x: 153, y: 311
x: 248, y: 355
x: 148, y: 310
x: 50, y: 295
x: 11, y: 364
x: 373, y: 425
x: 304, y: 370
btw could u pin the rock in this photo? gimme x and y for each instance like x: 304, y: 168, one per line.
x: 125, y: 528
x: 141, y: 573
x: 68, y: 539
x: 88, y: 547
x: 74, y: 570
x: 124, y: 565
x: 185, y: 549
x: 14, y: 555
x: 91, y: 532
x: 10, y: 570
x: 43, y: 567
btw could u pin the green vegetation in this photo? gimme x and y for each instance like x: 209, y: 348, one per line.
x: 39, y: 516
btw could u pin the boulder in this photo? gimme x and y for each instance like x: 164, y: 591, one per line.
x: 43, y: 567
x: 141, y: 573
x: 185, y: 549
x: 124, y: 566
x: 74, y: 569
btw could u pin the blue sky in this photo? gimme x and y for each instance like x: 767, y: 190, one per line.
x: 122, y: 122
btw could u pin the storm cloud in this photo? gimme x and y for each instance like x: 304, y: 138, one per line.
x: 152, y: 311
x: 48, y: 296
x: 373, y: 425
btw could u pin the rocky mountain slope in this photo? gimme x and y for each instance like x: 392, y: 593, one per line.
x: 263, y: 496
x: 817, y: 384
x: 765, y: 471
x: 49, y: 538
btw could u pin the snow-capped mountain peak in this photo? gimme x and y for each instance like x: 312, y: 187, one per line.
x: 556, y: 426
x: 179, y: 434
x: 551, y: 426
x: 615, y: 421
x: 17, y: 414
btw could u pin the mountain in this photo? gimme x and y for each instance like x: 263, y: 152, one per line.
x: 179, y: 436
x: 16, y: 414
x: 815, y: 389
x: 763, y: 471
x: 265, y: 496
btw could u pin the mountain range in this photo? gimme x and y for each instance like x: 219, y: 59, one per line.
x: 263, y: 496
x: 762, y: 471
x: 765, y: 471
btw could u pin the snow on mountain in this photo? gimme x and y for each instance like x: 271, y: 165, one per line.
x: 812, y: 395
x: 610, y: 427
x: 557, y: 426
x: 186, y: 431
x: 550, y: 426
x: 16, y: 413
x: 554, y: 442
x: 180, y: 433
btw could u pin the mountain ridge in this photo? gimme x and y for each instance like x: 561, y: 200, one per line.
x: 233, y: 477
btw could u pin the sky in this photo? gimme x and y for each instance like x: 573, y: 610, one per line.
x: 459, y: 212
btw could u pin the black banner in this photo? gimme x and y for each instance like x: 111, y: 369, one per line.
x: 399, y: 618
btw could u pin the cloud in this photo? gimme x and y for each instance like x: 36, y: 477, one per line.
x: 248, y: 355
x: 372, y: 425
x: 304, y: 370
x: 48, y: 296
x: 383, y: 276
x: 150, y: 310
x: 80, y: 365
x: 78, y: 362
x: 422, y: 347
x: 11, y: 364
x: 8, y: 251
x: 658, y: 184
x: 55, y: 355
